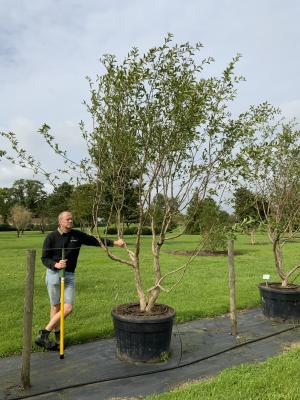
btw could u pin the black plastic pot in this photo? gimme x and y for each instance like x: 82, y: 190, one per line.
x: 143, y: 339
x: 280, y: 304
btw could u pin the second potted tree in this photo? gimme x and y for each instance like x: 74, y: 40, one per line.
x: 272, y: 170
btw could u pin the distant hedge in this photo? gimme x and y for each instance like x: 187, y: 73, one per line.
x: 6, y: 227
x: 132, y: 230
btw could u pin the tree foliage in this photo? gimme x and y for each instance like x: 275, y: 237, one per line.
x: 161, y: 124
x: 155, y: 114
x: 58, y: 200
x: 206, y: 218
x: 20, y: 217
x: 251, y: 207
x: 29, y: 193
x: 6, y: 202
x: 80, y: 203
x: 158, y: 210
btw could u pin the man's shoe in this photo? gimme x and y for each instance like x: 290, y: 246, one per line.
x: 57, y: 338
x: 54, y: 347
x: 43, y: 340
x: 56, y: 343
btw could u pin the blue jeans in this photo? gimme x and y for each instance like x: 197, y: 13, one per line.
x: 53, y: 286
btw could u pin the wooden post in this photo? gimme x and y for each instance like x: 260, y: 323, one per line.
x: 28, y: 311
x: 232, y: 293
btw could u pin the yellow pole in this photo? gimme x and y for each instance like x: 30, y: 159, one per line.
x: 62, y: 309
x: 62, y: 317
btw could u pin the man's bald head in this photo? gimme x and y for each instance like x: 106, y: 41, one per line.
x: 65, y: 221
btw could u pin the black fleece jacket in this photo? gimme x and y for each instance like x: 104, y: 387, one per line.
x: 71, y: 242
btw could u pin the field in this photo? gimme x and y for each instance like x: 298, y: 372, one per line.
x: 102, y: 283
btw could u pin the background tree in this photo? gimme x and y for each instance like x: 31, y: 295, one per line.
x: 29, y: 193
x: 249, y: 206
x: 126, y: 212
x: 58, y: 200
x: 130, y: 210
x: 19, y: 191
x: 20, y: 218
x: 32, y: 195
x: 158, y: 209
x: 42, y: 211
x: 6, y: 202
x: 205, y: 217
x: 81, y: 203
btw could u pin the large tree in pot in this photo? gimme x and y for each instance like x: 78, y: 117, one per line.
x: 159, y: 122
x: 162, y: 126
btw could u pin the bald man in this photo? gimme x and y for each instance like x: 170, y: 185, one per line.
x: 71, y: 240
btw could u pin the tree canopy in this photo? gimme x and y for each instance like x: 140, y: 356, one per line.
x: 162, y: 124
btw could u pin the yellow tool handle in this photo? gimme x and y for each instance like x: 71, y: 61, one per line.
x: 62, y: 317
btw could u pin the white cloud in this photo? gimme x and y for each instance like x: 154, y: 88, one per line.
x: 9, y: 173
x: 67, y: 135
x: 291, y: 109
x: 48, y: 47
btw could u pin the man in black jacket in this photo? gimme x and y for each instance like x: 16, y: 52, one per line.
x: 70, y: 240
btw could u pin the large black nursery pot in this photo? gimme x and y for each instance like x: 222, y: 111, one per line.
x: 280, y: 304
x: 141, y: 337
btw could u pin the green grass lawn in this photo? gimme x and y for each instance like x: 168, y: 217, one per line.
x: 274, y: 379
x: 102, y: 284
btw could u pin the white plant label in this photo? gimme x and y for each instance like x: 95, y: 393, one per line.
x: 266, y: 277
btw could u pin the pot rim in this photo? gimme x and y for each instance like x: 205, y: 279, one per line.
x: 290, y: 290
x: 140, y: 319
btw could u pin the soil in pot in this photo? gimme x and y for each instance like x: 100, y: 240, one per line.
x: 143, y: 337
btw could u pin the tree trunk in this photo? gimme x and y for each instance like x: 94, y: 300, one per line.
x: 278, y: 262
x: 156, y: 269
x: 42, y: 227
x: 136, y: 269
x: 138, y: 285
x: 152, y: 299
x: 120, y: 225
x: 42, y: 224
x: 253, y: 236
x: 290, y: 229
x: 91, y: 226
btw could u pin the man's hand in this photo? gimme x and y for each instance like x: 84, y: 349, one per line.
x: 119, y: 243
x: 61, y: 264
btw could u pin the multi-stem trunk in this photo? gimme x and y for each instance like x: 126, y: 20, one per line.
x: 154, y: 293
x: 277, y: 252
x: 136, y: 269
x: 138, y: 285
x: 120, y: 224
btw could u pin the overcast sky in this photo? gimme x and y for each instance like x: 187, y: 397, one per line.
x: 47, y: 47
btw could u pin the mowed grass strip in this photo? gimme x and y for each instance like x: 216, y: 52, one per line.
x: 102, y: 283
x: 274, y: 379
